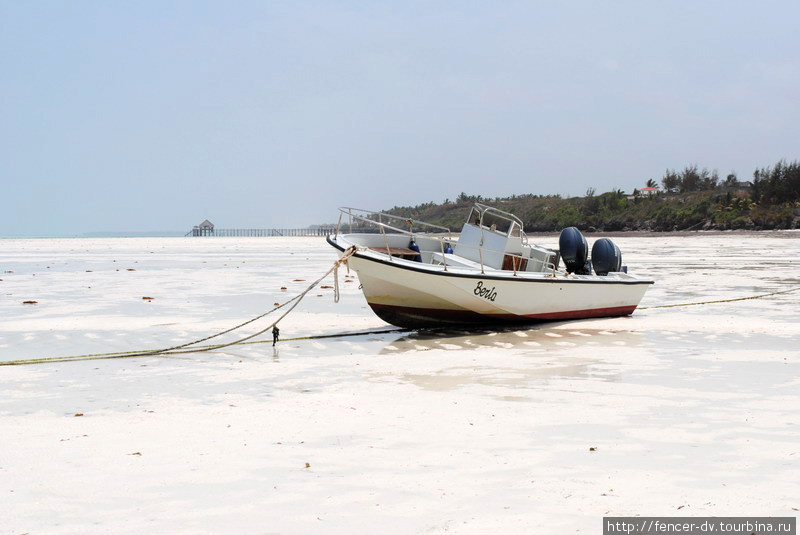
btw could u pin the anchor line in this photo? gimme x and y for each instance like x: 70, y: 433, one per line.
x: 721, y: 300
x: 182, y: 348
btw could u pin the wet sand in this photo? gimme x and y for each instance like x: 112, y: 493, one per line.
x: 675, y: 411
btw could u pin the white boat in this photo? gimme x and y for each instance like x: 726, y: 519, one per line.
x: 414, y: 274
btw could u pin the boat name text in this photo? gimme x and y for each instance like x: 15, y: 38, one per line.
x: 486, y: 293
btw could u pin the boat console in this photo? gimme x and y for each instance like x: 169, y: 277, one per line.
x: 496, y: 239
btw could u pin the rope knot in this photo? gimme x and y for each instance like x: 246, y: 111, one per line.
x: 350, y: 251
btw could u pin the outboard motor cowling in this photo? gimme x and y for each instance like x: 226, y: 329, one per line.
x: 606, y: 256
x: 574, y: 250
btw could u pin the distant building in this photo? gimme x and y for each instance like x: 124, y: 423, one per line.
x: 647, y: 191
x: 206, y: 228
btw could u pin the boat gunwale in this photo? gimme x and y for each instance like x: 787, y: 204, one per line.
x: 486, y: 276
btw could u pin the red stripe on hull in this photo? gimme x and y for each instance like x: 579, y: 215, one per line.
x: 591, y: 313
x: 411, y: 317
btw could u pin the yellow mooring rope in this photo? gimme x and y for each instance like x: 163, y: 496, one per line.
x: 722, y: 300
x: 181, y: 349
x: 295, y: 300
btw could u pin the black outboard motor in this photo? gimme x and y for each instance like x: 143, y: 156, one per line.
x: 574, y: 250
x: 606, y: 256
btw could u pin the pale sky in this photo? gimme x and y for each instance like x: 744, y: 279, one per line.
x: 155, y: 115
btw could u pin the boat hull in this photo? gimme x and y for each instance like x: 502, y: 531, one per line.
x: 414, y: 295
x: 416, y: 318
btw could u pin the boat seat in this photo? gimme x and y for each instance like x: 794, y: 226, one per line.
x: 456, y: 261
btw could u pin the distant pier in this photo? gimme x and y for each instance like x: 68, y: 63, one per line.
x: 207, y: 228
x: 260, y: 232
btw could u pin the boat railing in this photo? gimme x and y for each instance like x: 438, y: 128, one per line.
x: 485, y: 209
x: 364, y: 215
x: 369, y: 216
x: 355, y: 214
x: 495, y: 213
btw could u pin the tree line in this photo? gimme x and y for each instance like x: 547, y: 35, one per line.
x: 776, y: 185
x: 689, y: 199
x: 692, y: 179
x: 771, y: 185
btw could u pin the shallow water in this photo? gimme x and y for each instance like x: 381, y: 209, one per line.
x: 690, y: 410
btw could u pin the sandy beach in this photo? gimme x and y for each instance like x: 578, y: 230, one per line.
x: 690, y: 411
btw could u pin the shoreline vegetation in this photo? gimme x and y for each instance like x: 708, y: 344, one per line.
x: 687, y: 200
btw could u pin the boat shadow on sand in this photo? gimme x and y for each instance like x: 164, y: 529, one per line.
x: 541, y: 337
x: 513, y: 359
